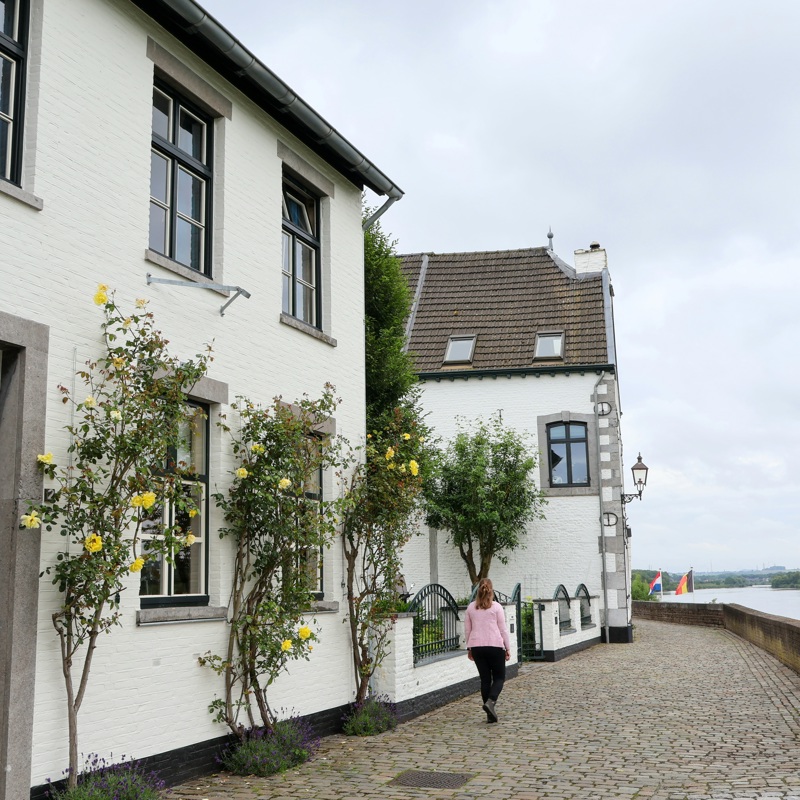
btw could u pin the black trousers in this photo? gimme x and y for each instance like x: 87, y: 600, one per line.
x: 491, y: 664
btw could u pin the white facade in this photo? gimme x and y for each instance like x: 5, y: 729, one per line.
x: 78, y: 217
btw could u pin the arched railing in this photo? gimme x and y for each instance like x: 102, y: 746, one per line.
x: 582, y: 594
x: 435, y: 622
x: 564, y: 620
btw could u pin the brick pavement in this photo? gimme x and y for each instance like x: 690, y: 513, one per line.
x: 684, y: 713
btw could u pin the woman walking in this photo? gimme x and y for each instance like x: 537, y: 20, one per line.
x: 488, y: 644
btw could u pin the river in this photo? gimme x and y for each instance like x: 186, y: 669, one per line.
x: 782, y: 602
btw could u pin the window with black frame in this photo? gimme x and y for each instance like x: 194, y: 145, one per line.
x: 184, y: 581
x: 568, y: 449
x: 301, y: 254
x: 13, y: 52
x: 180, y: 180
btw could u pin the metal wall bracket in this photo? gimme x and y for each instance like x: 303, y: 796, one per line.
x: 191, y: 285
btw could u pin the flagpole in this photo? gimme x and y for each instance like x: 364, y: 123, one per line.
x: 661, y: 588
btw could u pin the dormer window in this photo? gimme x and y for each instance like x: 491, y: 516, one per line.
x: 549, y: 345
x: 460, y: 350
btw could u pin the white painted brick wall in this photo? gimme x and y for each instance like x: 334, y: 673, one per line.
x: 147, y: 693
x: 563, y: 548
x: 400, y: 679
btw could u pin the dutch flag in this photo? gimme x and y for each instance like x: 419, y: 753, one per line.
x: 655, y: 584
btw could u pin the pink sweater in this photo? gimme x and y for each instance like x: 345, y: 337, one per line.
x: 486, y: 627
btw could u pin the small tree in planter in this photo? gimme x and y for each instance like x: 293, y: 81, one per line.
x: 123, y: 430
x: 275, y: 515
x: 483, y: 494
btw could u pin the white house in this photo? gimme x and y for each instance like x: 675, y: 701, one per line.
x: 522, y: 333
x: 144, y: 147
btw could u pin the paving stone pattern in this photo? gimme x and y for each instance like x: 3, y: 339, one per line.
x: 683, y: 713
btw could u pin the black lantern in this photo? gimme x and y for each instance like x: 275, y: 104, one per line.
x: 639, y: 470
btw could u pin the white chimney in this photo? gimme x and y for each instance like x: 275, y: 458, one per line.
x: 591, y: 260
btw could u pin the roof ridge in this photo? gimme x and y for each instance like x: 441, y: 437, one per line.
x: 542, y: 250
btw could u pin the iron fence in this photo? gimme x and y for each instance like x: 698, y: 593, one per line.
x: 435, y: 622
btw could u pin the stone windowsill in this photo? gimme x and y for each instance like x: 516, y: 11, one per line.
x: 304, y: 327
x: 12, y: 190
x: 173, y: 614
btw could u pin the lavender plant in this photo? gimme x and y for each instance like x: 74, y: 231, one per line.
x: 266, y: 751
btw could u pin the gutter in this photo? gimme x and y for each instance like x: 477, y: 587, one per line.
x: 465, y: 374
x: 194, y: 20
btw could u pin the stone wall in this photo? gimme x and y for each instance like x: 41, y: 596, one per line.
x: 707, y: 614
x: 779, y: 636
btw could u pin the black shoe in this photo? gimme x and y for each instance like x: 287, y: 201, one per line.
x: 488, y: 707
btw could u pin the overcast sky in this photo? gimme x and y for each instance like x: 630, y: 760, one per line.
x: 667, y: 131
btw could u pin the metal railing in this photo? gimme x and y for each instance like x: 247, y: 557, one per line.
x: 435, y: 622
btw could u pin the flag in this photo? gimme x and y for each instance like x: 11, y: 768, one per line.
x: 686, y: 583
x: 655, y: 584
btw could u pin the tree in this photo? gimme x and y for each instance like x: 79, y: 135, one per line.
x: 383, y: 494
x: 279, y: 523
x: 390, y: 372
x: 640, y: 589
x: 483, y: 494
x: 385, y: 484
x: 115, y: 487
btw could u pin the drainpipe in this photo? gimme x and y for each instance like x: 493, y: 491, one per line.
x: 379, y: 213
x: 600, y: 498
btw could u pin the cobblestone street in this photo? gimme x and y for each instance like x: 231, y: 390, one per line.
x: 684, y: 712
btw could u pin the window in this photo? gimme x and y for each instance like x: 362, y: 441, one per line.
x: 582, y: 594
x: 310, y: 559
x: 13, y: 35
x: 184, y: 581
x: 460, y: 349
x: 549, y: 345
x: 564, y: 619
x: 301, y: 256
x: 567, y: 444
x: 180, y: 180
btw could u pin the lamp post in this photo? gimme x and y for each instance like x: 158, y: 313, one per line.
x: 639, y: 470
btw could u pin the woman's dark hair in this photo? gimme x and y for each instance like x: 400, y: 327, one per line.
x: 485, y: 596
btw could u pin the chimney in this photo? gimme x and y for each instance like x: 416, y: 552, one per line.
x: 591, y: 260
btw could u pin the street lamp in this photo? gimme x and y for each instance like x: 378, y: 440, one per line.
x: 639, y: 470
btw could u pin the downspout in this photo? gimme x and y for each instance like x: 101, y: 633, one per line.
x: 379, y: 213
x: 600, y: 499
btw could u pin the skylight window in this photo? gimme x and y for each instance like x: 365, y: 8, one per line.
x: 549, y: 345
x: 460, y: 350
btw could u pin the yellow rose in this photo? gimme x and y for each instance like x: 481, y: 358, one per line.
x: 190, y: 539
x: 414, y: 467
x: 116, y: 415
x: 284, y: 483
x: 93, y: 543
x: 136, y: 501
x: 148, y: 500
x: 32, y: 520
x: 390, y: 466
x: 100, y: 298
x: 126, y: 323
x: 137, y: 565
x: 140, y: 302
x: 286, y: 645
x: 241, y: 472
x: 304, y: 632
x: 421, y: 439
x: 102, y: 287
x: 257, y: 448
x: 118, y: 362
x: 311, y: 647
x: 90, y: 402
x: 46, y: 458
x: 390, y: 453
x: 193, y: 512
x: 406, y: 436
x: 402, y: 468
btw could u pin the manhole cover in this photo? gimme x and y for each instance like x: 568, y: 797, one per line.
x: 431, y: 780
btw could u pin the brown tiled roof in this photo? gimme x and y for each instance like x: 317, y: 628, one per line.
x: 504, y: 297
